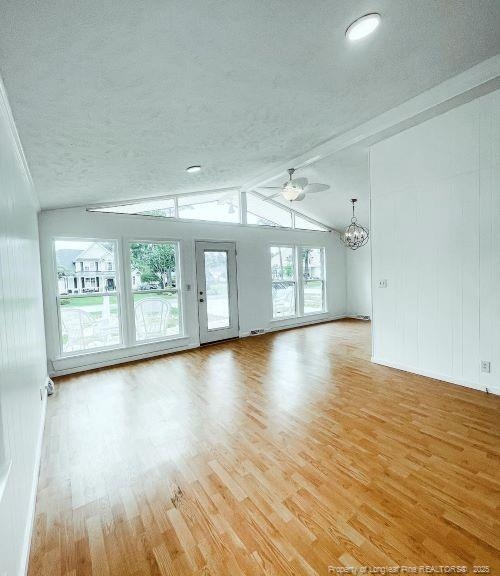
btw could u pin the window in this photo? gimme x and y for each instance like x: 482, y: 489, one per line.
x: 222, y: 206
x: 305, y: 224
x: 161, y: 207
x: 284, y: 275
x: 88, y: 300
x: 155, y: 290
x: 264, y: 213
x: 286, y: 289
x: 219, y: 206
x: 313, y: 284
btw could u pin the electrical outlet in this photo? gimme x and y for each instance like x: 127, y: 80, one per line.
x: 382, y: 283
x: 485, y: 366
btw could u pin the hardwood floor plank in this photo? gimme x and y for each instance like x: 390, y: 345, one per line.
x: 277, y: 455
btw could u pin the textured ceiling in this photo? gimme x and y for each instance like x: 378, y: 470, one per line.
x: 113, y: 100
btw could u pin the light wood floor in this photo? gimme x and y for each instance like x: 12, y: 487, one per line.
x: 281, y: 454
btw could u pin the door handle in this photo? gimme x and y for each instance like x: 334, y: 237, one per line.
x: 201, y: 300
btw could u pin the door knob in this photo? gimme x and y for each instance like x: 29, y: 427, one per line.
x: 201, y: 300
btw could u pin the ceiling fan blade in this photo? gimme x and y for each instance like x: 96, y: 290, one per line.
x: 302, y: 182
x: 268, y: 187
x: 274, y: 195
x: 316, y: 187
x: 301, y: 196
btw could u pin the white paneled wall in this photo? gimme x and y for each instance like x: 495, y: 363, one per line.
x: 436, y: 240
x: 22, y: 351
x: 359, y: 290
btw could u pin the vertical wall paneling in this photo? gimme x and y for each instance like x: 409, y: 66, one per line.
x: 435, y: 217
x: 22, y: 350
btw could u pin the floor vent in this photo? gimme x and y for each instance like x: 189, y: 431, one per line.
x: 257, y: 332
x: 361, y: 317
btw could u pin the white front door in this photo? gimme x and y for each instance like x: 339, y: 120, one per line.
x: 217, y: 291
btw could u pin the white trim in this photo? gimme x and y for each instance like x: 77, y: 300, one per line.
x: 23, y: 570
x: 294, y: 322
x: 436, y: 376
x: 458, y: 85
x: 4, y: 103
x: 122, y: 359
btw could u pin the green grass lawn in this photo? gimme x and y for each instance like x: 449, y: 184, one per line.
x: 95, y: 302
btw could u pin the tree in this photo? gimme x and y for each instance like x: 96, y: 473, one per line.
x: 154, y: 262
x: 305, y: 256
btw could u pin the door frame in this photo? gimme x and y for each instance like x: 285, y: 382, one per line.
x: 218, y: 333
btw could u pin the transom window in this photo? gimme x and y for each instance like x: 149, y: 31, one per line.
x: 229, y: 205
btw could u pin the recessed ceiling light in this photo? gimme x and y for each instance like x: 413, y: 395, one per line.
x: 363, y: 26
x: 192, y: 169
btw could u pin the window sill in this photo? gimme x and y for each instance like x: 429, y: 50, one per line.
x: 306, y: 318
x: 96, y: 351
x: 282, y: 318
x: 88, y: 360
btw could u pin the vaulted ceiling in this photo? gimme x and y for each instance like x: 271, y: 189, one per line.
x: 113, y: 101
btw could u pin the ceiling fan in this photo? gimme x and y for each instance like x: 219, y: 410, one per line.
x: 295, y: 189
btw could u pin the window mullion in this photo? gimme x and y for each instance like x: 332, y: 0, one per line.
x: 300, y: 281
x: 128, y: 300
x: 243, y: 207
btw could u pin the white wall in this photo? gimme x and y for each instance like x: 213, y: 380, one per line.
x: 358, y: 271
x: 22, y: 351
x: 254, y: 273
x: 436, y: 239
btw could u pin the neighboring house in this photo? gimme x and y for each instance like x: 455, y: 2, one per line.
x: 90, y: 270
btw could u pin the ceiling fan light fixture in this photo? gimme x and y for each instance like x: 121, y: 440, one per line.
x: 363, y: 26
x: 291, y: 190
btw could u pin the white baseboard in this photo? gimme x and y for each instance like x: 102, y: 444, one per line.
x: 34, y: 488
x: 299, y: 324
x: 436, y: 376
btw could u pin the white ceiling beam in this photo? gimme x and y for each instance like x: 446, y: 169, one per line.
x: 485, y: 73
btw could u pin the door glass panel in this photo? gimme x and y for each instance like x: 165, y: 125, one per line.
x: 216, y: 289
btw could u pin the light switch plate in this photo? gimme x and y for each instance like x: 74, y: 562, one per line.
x: 485, y: 366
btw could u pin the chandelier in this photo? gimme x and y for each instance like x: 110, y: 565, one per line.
x: 355, y: 235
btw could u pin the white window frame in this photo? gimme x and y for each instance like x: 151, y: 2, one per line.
x: 118, y: 293
x: 299, y: 281
x: 130, y: 291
